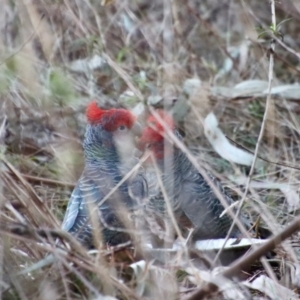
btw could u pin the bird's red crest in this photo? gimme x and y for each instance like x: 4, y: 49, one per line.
x: 110, y: 119
x: 154, y: 132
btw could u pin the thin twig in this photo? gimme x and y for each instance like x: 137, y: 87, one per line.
x: 262, y: 128
x: 247, y: 260
x: 45, y: 180
x: 124, y: 76
x: 24, y: 44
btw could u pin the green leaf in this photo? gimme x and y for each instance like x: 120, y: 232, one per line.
x: 60, y: 87
x: 122, y: 54
x: 282, y: 22
x: 262, y: 34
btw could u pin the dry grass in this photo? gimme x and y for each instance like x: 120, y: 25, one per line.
x: 57, y: 55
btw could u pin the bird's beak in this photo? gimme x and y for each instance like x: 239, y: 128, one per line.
x: 137, y: 129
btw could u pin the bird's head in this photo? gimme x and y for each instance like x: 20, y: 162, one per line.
x: 114, y: 128
x: 153, y: 136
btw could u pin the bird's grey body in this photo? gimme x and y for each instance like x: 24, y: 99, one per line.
x: 103, y: 171
x: 193, y: 201
x: 200, y: 204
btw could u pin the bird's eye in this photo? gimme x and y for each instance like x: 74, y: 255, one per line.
x: 122, y: 127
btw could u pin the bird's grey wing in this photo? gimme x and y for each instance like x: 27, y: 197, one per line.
x: 138, y: 189
x: 87, y: 191
x: 72, y: 209
x: 203, y: 208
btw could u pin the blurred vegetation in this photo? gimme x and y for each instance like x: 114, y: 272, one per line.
x: 55, y: 56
